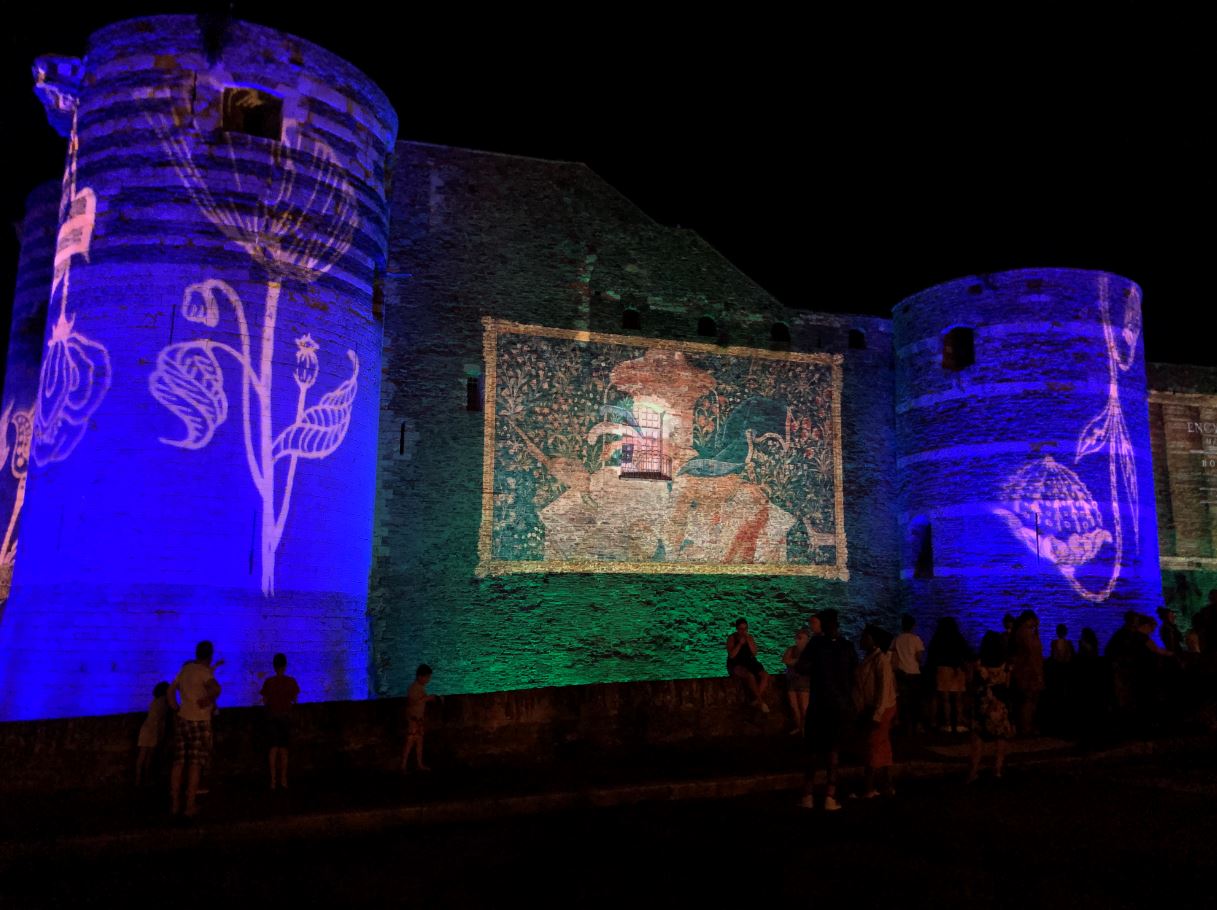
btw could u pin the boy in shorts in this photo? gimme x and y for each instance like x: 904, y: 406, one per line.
x: 416, y: 709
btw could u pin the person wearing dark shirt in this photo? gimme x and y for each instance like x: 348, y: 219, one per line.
x: 829, y: 661
x: 279, y: 693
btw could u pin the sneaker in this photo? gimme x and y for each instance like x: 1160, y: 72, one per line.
x: 831, y: 804
x: 807, y: 802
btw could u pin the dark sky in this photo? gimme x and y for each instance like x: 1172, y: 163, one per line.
x: 842, y: 164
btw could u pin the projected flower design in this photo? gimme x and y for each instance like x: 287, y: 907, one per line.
x: 296, y: 230
x: 75, y: 373
x: 22, y: 425
x: 1050, y: 509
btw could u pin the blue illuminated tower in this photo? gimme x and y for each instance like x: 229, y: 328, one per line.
x: 36, y: 234
x: 1023, y: 450
x: 203, y: 452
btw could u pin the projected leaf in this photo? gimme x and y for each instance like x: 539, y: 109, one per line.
x: 319, y: 430
x: 189, y: 382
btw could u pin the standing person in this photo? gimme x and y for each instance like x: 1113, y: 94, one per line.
x: 990, y: 714
x: 1027, y: 669
x: 907, y: 653
x: 798, y: 685
x: 198, y: 690
x: 948, y: 656
x: 876, y: 698
x: 743, y: 665
x: 417, y: 700
x: 1062, y: 651
x: 152, y: 731
x: 829, y: 660
x: 279, y: 693
x: 1007, y: 633
x: 1058, y: 681
x: 1172, y: 637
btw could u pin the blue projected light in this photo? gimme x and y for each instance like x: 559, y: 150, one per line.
x: 1028, y: 464
x: 204, y: 447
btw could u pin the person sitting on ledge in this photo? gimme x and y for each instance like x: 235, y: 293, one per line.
x: 743, y: 665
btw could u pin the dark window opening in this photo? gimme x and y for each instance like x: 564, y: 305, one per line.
x: 631, y: 319
x: 378, y: 296
x: 401, y: 442
x: 780, y: 334
x: 923, y: 551
x: 473, y: 393
x: 707, y: 327
x: 857, y: 339
x: 958, y: 349
x: 255, y: 113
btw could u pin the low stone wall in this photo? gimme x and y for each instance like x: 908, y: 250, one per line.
x: 519, y: 727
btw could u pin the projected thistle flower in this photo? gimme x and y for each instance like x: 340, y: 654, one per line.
x: 1049, y: 507
x: 295, y: 228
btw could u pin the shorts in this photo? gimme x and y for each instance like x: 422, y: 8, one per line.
x: 415, y: 726
x: 279, y: 730
x: 797, y: 682
x: 192, y: 742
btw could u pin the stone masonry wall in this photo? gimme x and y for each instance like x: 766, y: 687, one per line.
x: 551, y: 244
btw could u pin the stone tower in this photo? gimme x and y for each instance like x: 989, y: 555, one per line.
x: 203, y: 452
x: 1023, y: 451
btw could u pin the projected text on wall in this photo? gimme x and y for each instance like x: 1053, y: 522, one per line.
x: 606, y: 453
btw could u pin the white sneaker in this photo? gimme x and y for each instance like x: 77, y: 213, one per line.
x: 807, y: 802
x: 831, y: 804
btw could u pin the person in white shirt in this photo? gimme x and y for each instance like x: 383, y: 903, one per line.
x: 908, y: 652
x: 876, y: 698
x: 198, y: 690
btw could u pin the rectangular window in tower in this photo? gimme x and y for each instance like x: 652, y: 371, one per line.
x: 253, y: 112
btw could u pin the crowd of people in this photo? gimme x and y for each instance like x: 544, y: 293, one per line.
x: 1008, y: 686
x: 181, y: 713
x: 1148, y: 674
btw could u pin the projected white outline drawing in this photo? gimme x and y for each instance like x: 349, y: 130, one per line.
x: 1049, y: 507
x: 280, y: 236
x: 75, y: 373
x: 22, y: 423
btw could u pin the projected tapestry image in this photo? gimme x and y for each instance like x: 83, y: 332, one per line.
x: 607, y: 453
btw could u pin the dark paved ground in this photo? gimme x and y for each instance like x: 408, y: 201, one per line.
x: 1118, y: 833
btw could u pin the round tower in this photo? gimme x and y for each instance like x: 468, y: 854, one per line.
x: 36, y: 236
x: 203, y: 450
x: 1023, y: 451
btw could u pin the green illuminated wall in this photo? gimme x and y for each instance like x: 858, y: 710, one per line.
x: 477, y: 235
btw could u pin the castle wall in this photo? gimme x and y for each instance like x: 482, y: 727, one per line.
x: 551, y: 246
x: 1183, y: 432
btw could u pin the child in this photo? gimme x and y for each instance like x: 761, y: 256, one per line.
x: 279, y: 693
x: 152, y: 730
x: 416, y: 707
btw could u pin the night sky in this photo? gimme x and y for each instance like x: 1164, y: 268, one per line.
x: 841, y: 164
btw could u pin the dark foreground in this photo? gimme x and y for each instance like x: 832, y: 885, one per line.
x: 1131, y: 833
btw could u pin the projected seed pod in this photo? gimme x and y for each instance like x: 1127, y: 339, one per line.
x: 207, y: 422
x: 1023, y: 448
